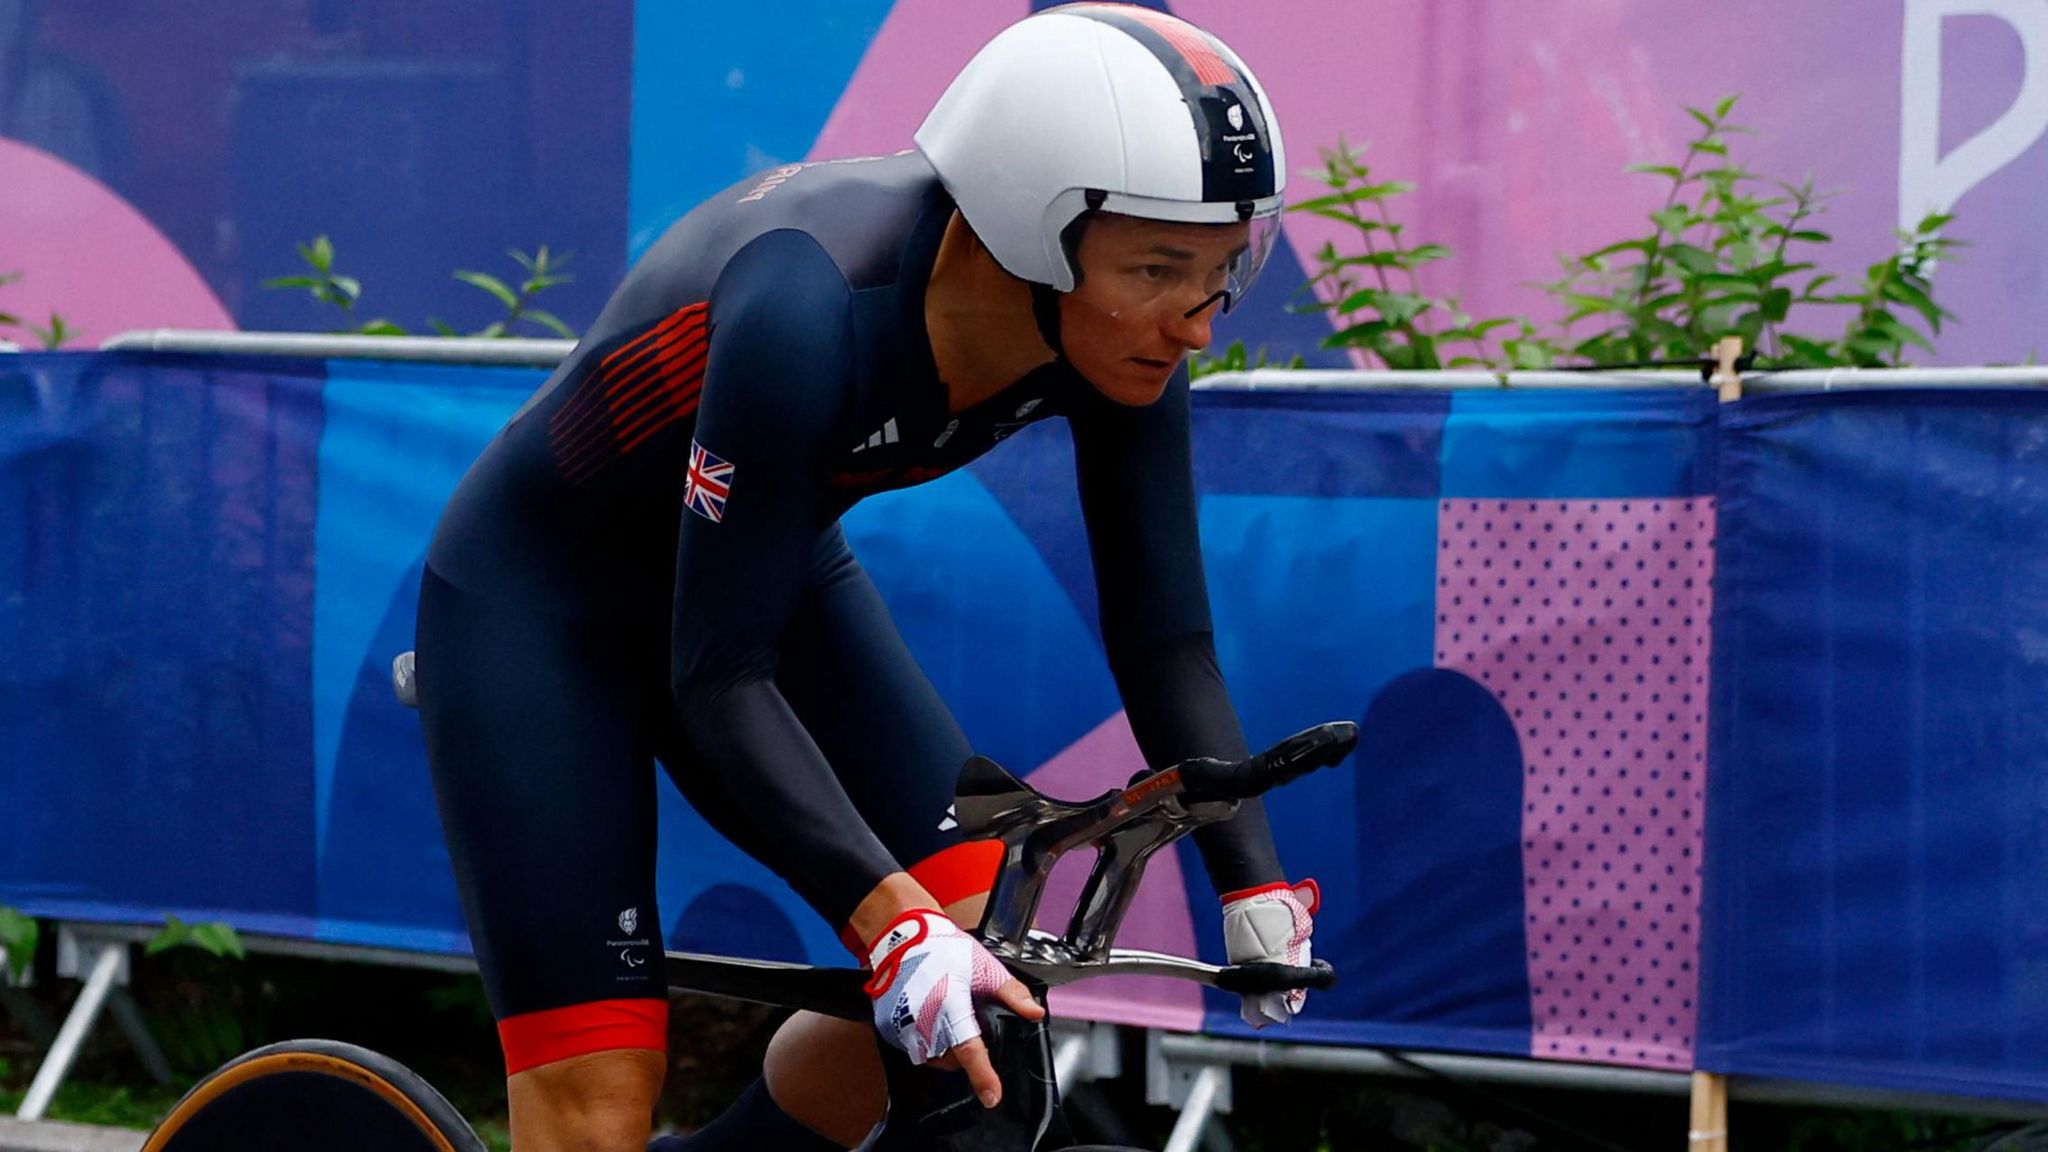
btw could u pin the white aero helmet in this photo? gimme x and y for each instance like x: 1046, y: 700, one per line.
x: 1111, y: 107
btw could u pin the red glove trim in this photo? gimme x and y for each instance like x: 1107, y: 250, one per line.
x: 885, y: 970
x: 1315, y: 892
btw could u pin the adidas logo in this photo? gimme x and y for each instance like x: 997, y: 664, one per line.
x: 886, y: 434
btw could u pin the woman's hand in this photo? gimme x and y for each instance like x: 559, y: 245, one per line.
x: 1271, y: 924
x: 928, y: 977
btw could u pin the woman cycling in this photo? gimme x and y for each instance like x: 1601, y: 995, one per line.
x: 646, y: 565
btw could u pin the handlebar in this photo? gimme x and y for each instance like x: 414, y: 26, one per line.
x: 1323, y: 746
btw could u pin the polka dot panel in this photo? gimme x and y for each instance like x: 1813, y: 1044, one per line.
x: 1588, y: 621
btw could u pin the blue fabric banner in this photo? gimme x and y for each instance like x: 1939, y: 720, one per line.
x: 1877, y: 913
x: 210, y: 562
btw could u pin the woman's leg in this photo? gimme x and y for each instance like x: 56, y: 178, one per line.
x: 545, y: 785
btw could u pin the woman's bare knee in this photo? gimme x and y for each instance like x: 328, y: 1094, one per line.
x: 826, y: 1074
x: 600, y: 1102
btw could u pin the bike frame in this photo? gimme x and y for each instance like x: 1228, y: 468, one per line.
x: 932, y: 1111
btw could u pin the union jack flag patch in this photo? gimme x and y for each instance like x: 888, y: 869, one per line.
x: 709, y: 484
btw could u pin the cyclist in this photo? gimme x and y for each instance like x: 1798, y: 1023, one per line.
x: 645, y: 565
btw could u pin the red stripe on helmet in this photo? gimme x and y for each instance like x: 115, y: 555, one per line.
x: 1193, y: 46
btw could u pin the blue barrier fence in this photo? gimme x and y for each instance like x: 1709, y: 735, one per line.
x: 207, y: 563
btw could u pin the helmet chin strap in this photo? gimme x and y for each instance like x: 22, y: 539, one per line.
x: 1045, y: 309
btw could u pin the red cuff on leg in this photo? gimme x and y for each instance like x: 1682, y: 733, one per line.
x: 532, y: 1039
x: 964, y: 870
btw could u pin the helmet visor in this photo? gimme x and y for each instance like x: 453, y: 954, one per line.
x: 1129, y: 262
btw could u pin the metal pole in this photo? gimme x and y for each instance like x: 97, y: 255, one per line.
x: 129, y: 1017
x: 425, y: 349
x: 548, y: 353
x: 76, y: 1025
x: 1536, y: 1073
x: 1201, y: 1105
x: 1794, y: 380
x: 1066, y: 1060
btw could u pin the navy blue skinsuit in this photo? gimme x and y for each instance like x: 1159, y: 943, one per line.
x: 646, y: 564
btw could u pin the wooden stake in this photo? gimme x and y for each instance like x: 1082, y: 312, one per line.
x: 1709, y: 1113
x: 1727, y: 352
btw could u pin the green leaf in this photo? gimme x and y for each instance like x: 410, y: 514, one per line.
x: 1352, y: 196
x: 1694, y: 260
x: 1343, y: 217
x: 1734, y: 286
x: 1618, y: 249
x: 54, y: 336
x: 348, y: 286
x: 18, y: 935
x: 1401, y: 307
x: 1776, y: 305
x: 294, y: 282
x: 1710, y: 147
x: 1917, y: 299
x: 381, y: 327
x: 442, y: 327
x: 1669, y: 171
x: 175, y: 933
x: 1424, y: 253
x: 1357, y: 335
x: 219, y: 939
x: 1388, y: 259
x: 1674, y: 219
x: 491, y: 284
x: 1705, y: 120
x: 491, y: 331
x: 322, y: 254
x: 552, y: 323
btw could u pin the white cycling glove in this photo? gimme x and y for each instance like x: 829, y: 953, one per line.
x: 1271, y: 924
x: 928, y: 974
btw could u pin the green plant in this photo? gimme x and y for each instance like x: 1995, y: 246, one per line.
x: 1375, y: 294
x: 519, y: 304
x: 18, y: 936
x: 51, y: 337
x: 543, y: 271
x: 1236, y: 358
x: 331, y: 287
x: 214, y: 939
x: 1721, y: 260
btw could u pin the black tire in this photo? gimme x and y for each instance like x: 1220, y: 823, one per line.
x: 313, y: 1096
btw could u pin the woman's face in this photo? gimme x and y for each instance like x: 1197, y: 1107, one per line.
x: 1126, y: 326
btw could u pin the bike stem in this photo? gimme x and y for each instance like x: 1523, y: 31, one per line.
x: 1126, y: 827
